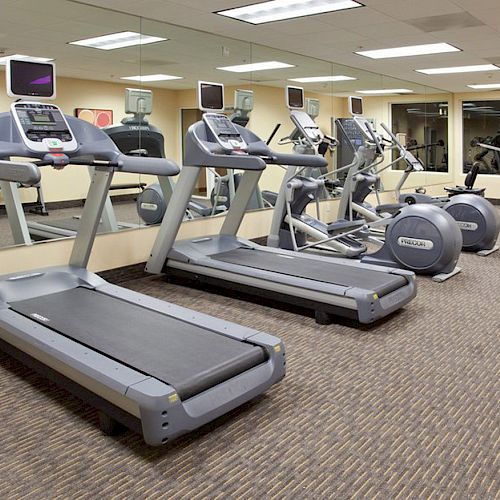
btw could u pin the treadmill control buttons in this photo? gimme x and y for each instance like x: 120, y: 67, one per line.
x: 53, y: 144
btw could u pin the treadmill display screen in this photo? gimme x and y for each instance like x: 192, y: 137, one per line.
x: 29, y: 79
x: 211, y: 96
x: 221, y: 125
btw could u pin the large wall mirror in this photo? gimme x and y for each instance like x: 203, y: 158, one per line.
x: 162, y: 63
x: 480, y: 129
x: 88, y: 84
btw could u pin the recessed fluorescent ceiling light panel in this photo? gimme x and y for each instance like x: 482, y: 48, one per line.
x: 485, y: 86
x: 243, y: 68
x: 314, y: 79
x: 279, y: 10
x: 385, y: 91
x: 3, y: 60
x: 411, y: 50
x: 459, y: 69
x: 151, y: 78
x: 118, y: 40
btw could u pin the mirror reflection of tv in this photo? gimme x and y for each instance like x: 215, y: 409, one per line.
x: 312, y: 107
x: 138, y: 101
x: 210, y: 96
x: 30, y: 79
x: 295, y: 97
x: 243, y: 100
x: 356, y: 106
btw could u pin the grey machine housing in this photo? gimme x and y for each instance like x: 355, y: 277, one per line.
x: 120, y: 391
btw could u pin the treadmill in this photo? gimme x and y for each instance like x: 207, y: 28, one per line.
x: 15, y: 173
x: 154, y: 367
x: 68, y: 227
x: 51, y: 229
x: 361, y: 292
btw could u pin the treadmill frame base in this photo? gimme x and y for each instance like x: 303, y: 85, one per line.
x: 323, y: 313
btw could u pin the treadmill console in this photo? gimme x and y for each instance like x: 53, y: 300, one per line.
x: 43, y: 127
x: 307, y: 126
x: 225, y: 132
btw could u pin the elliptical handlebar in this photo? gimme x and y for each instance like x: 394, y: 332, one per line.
x: 378, y: 145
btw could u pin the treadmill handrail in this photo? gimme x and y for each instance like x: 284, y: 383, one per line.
x: 213, y: 155
x: 290, y: 159
x: 15, y: 171
x: 145, y: 165
x: 299, y: 160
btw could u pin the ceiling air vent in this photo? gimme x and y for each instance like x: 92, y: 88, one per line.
x: 446, y: 22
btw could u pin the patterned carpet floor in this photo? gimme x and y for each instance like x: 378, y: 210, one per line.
x: 405, y: 409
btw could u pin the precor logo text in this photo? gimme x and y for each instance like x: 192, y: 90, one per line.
x: 404, y: 241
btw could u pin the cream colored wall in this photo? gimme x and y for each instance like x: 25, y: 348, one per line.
x: 72, y: 182
x: 134, y: 245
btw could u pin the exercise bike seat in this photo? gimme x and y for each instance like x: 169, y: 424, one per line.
x: 390, y: 208
x: 342, y: 226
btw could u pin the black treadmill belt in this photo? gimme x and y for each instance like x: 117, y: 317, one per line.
x: 73, y: 224
x: 328, y: 271
x: 190, y: 358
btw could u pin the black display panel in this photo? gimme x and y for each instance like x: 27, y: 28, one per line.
x: 356, y: 104
x: 295, y: 97
x: 31, y: 79
x: 211, y: 96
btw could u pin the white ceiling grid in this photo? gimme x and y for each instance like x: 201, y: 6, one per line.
x: 335, y: 36
x: 331, y: 37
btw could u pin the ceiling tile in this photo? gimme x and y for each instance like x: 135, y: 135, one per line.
x: 489, y: 16
x: 411, y: 9
x: 364, y: 16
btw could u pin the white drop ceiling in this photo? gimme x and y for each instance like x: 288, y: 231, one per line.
x: 472, y: 25
x: 313, y: 43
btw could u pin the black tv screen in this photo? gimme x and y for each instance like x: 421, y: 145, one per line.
x: 295, y: 97
x: 31, y: 79
x: 356, y: 105
x: 211, y: 96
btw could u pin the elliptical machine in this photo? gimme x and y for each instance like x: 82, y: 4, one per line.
x: 476, y: 217
x: 422, y: 238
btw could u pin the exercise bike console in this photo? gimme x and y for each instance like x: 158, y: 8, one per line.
x: 225, y: 132
x: 43, y: 127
